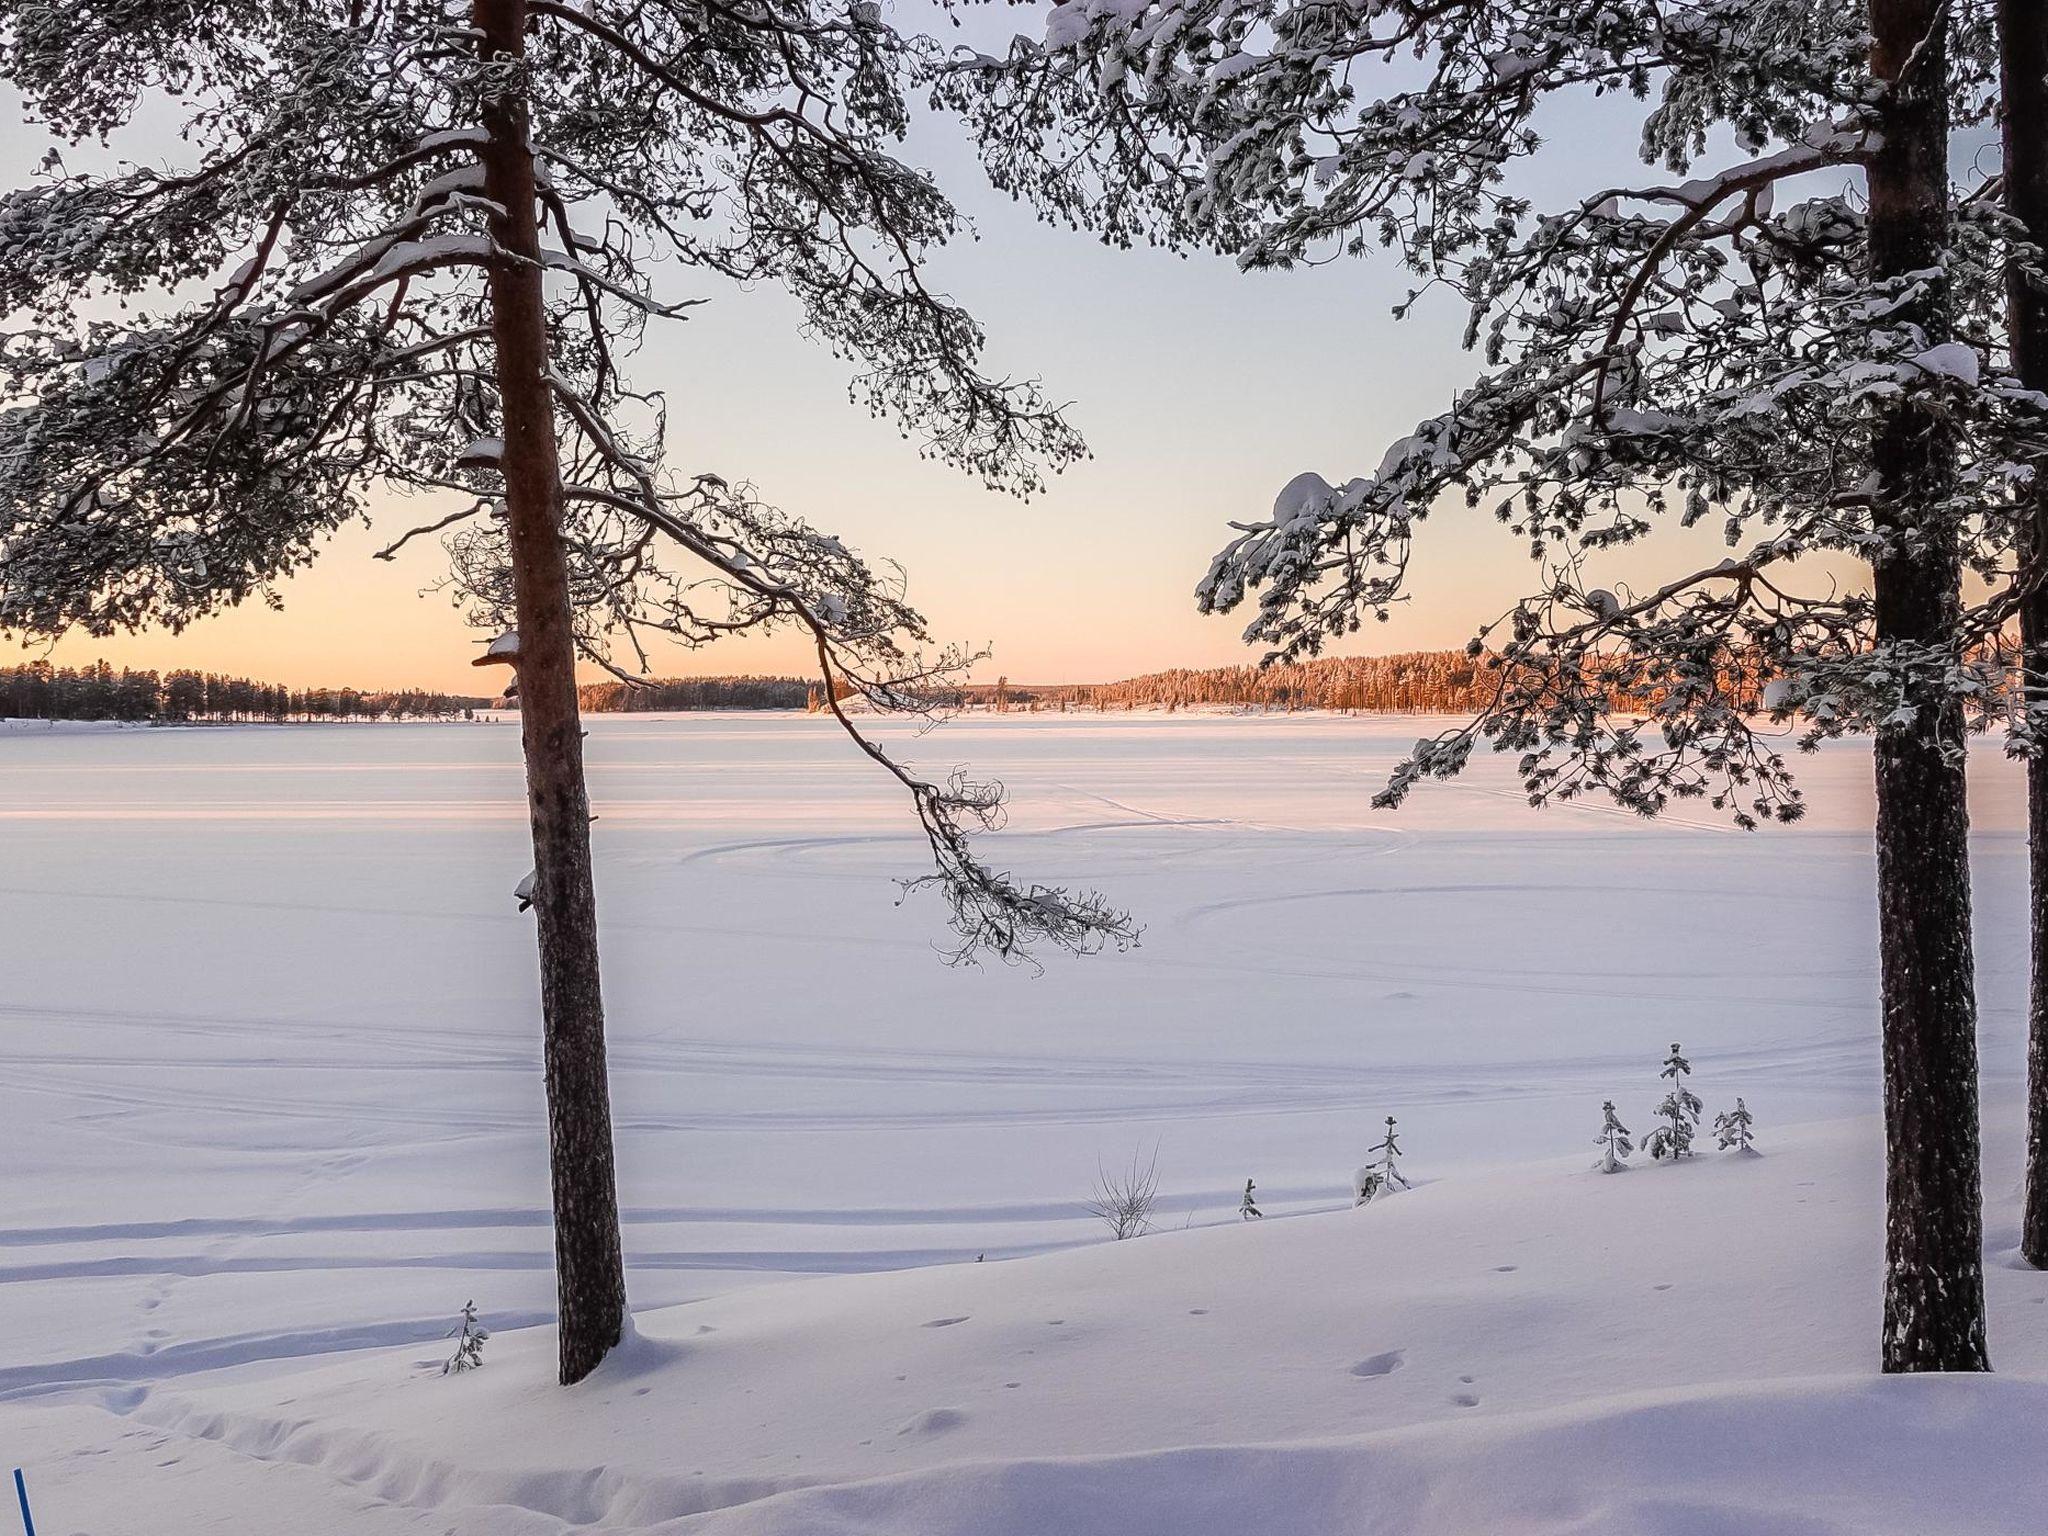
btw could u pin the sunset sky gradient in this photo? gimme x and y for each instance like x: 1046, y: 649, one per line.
x: 1201, y: 392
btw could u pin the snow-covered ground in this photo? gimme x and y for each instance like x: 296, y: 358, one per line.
x: 271, y: 1094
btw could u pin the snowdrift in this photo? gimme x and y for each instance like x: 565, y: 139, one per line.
x: 1819, y: 1458
x: 1540, y: 1349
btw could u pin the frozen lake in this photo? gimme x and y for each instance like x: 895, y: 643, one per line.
x: 270, y: 1026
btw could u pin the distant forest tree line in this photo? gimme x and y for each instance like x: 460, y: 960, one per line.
x: 39, y: 691
x: 1414, y: 682
x: 676, y: 693
x: 1411, y: 683
x: 1417, y: 682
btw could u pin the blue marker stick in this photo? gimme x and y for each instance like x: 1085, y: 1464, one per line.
x: 28, y: 1524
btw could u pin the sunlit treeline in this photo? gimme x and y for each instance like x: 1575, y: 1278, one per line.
x: 1411, y: 683
x: 39, y: 691
x: 1415, y: 682
x: 672, y: 693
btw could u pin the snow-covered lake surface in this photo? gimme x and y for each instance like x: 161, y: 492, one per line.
x: 271, y: 1079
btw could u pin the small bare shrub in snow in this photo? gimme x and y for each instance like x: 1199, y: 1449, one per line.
x: 469, y: 1335
x: 1680, y: 1111
x: 1614, y: 1142
x: 1731, y: 1129
x: 1248, y: 1208
x: 1123, y: 1201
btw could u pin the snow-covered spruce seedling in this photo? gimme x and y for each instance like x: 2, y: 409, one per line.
x: 1797, y: 333
x: 1365, y: 1184
x: 1613, y: 1141
x: 1731, y: 1129
x: 1680, y: 1112
x: 1248, y: 1208
x: 409, y: 252
x: 469, y: 1336
x: 1387, y: 1163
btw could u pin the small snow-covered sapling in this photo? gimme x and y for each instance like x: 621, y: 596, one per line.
x: 469, y: 1335
x: 1388, y: 1165
x: 1248, y: 1209
x: 1614, y: 1142
x: 1731, y: 1128
x: 1366, y: 1181
x: 1680, y: 1111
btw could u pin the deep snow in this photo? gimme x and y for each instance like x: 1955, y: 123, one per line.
x: 271, y: 1093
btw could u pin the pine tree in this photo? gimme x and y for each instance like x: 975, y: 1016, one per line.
x: 1365, y: 1184
x: 469, y: 1335
x: 2023, y: 48
x: 1613, y: 1141
x: 1680, y: 1112
x: 1731, y: 1128
x: 413, y: 249
x: 1386, y: 1165
x: 1248, y: 1209
x: 1802, y: 341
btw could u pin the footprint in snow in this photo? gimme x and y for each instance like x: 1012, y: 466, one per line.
x: 1505, y: 1269
x: 942, y: 1322
x: 933, y: 1421
x: 1384, y: 1363
x: 1464, y: 1400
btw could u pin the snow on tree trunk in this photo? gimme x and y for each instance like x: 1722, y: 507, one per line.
x: 1934, y: 1282
x: 589, y: 1271
x: 2023, y: 46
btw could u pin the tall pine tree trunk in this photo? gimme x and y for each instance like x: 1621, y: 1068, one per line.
x: 1934, y: 1274
x: 2023, y: 48
x: 589, y: 1272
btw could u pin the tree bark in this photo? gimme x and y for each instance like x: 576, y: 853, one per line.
x: 2023, y: 60
x: 589, y: 1271
x: 1934, y: 1274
